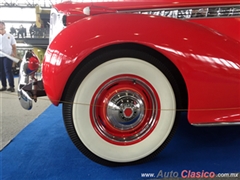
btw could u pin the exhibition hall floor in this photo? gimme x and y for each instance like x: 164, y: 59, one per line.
x: 13, y: 118
x: 43, y: 150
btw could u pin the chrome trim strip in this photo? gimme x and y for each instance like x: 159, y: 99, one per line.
x: 191, y: 12
x: 217, y: 124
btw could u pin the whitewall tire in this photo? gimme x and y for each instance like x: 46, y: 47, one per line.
x: 122, y: 108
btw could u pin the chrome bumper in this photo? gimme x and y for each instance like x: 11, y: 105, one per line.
x: 25, y: 99
x: 30, y: 86
x: 29, y: 91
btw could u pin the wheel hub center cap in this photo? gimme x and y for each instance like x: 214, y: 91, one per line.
x: 125, y: 110
x: 128, y: 112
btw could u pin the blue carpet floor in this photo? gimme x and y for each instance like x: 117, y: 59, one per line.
x: 43, y: 150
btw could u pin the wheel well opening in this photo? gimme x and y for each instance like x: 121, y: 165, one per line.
x: 138, y: 47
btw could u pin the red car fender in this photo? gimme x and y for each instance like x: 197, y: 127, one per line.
x: 208, y: 61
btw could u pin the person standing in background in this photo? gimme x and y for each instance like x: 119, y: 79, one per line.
x: 8, y: 46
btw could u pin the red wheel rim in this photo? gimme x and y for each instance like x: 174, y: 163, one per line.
x: 125, y: 109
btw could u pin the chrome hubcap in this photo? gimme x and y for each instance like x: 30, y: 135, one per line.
x: 125, y: 110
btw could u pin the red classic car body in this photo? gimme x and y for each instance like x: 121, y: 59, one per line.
x: 199, y: 42
x: 201, y: 54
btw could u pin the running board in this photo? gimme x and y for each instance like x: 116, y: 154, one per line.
x: 217, y: 124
